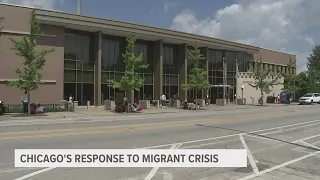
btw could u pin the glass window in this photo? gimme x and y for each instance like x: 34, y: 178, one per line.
x: 70, y: 46
x: 110, y: 54
x: 211, y: 73
x: 211, y: 59
x: 230, y: 59
x: 231, y: 74
x: 245, y: 62
x: 219, y: 81
x: 231, y: 81
x: 87, y: 93
x: 148, y: 79
x: 240, y: 59
x: 170, y: 60
x: 88, y: 76
x: 148, y: 91
x: 218, y: 65
x: 69, y: 75
x: 83, y: 48
x: 142, y: 49
x: 69, y: 89
x: 69, y: 64
x: 174, y: 80
x: 79, y: 46
x: 219, y: 74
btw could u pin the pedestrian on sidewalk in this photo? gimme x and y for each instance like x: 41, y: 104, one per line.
x: 163, y: 100
x: 25, y: 102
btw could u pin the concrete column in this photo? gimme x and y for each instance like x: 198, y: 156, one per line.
x: 182, y: 56
x: 158, y: 69
x: 97, y: 69
x: 205, y: 66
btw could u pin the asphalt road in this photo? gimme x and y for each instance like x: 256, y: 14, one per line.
x: 283, y: 143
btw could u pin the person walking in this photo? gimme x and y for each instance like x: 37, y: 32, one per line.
x: 25, y: 102
x: 163, y: 100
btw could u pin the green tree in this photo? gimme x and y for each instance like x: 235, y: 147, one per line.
x: 29, y: 78
x: 313, y: 80
x: 198, y: 76
x: 313, y: 73
x: 290, y: 78
x: 131, y: 79
x: 314, y: 59
x: 262, y: 80
x: 303, y: 83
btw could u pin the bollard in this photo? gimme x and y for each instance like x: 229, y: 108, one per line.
x: 88, y: 105
x: 158, y: 103
x: 75, y: 105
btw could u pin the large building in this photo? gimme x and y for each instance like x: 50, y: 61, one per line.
x: 88, y: 52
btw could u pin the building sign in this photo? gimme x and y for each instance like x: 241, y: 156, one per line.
x: 248, y: 82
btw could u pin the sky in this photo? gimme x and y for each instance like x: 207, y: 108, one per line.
x: 284, y: 25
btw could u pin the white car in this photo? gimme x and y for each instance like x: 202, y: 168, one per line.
x: 310, y: 98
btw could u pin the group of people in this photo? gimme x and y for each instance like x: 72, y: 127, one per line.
x: 33, y: 107
x: 126, y: 106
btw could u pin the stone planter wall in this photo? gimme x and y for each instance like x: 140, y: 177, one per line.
x: 109, y: 105
x: 144, y: 103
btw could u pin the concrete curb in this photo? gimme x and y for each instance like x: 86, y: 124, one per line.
x: 115, y: 115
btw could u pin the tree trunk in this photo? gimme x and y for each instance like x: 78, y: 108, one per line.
x: 261, y: 97
x: 131, y: 96
x: 28, y: 105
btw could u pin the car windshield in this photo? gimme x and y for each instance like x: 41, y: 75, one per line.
x: 308, y: 95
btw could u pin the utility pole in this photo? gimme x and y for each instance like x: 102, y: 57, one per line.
x: 224, y: 78
x: 78, y: 7
x: 237, y: 71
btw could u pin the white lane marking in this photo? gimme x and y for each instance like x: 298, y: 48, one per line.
x: 34, y: 173
x: 307, y: 138
x: 208, y: 144
x: 231, y: 135
x: 155, y: 169
x: 310, y: 145
x: 167, y: 176
x: 273, y: 132
x: 250, y: 157
x: 11, y: 170
x: 186, y: 142
x: 279, y: 166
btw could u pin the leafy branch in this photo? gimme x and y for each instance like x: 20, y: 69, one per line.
x: 198, y: 76
x: 131, y: 79
x: 29, y: 78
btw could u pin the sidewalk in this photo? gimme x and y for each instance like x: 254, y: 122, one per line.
x: 100, y: 112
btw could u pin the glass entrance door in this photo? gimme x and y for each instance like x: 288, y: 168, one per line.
x: 215, y: 93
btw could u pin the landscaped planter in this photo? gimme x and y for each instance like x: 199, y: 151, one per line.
x: 109, y: 105
x: 201, y: 102
x: 144, y: 103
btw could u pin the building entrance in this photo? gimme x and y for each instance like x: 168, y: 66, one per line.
x: 216, y: 92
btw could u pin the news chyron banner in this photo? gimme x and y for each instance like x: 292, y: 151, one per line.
x: 130, y: 158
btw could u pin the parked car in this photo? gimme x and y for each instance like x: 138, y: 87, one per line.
x: 310, y: 98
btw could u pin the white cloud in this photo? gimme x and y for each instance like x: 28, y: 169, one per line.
x: 168, y: 5
x: 45, y: 4
x: 310, y: 40
x: 273, y: 24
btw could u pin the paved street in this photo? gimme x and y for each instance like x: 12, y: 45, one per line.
x: 283, y: 143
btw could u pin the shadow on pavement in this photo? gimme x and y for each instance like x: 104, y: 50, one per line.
x: 259, y: 135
